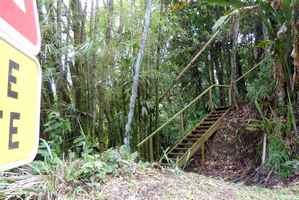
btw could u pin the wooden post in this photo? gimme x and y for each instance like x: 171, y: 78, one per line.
x: 151, y: 150
x: 203, y: 153
x: 230, y: 95
x: 211, y: 99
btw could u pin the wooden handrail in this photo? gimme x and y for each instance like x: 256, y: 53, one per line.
x: 178, y: 113
x: 253, y: 68
x: 209, y: 89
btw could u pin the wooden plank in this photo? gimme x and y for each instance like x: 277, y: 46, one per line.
x: 203, y: 153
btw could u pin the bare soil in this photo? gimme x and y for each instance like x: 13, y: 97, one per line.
x: 234, y: 151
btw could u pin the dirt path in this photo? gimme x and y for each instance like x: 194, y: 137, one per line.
x: 170, y: 184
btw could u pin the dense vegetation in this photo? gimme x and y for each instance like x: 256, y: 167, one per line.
x: 114, y: 71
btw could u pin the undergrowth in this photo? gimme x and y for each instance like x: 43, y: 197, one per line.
x: 280, y: 140
x: 70, y: 178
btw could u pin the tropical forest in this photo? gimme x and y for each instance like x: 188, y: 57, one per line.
x: 165, y: 99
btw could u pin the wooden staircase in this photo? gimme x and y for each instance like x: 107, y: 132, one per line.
x: 195, y: 140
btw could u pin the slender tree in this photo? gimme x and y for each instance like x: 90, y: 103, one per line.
x: 234, y: 70
x: 136, y: 67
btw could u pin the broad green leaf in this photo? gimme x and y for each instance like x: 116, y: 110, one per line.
x: 264, y: 43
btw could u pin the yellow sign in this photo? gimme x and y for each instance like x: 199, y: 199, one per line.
x: 20, y: 88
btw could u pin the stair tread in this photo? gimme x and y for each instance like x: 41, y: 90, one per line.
x: 221, y: 108
x: 190, y: 139
x: 181, y: 148
x: 216, y: 115
x: 196, y: 131
x: 196, y: 134
x: 193, y: 137
x: 188, y: 142
x: 208, y: 122
x: 203, y: 128
x: 211, y: 120
x: 217, y: 112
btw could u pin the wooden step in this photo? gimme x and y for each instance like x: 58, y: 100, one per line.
x: 205, y: 123
x: 218, y: 112
x: 221, y: 109
x: 196, y: 134
x: 175, y: 155
x: 211, y: 119
x: 196, y: 131
x: 193, y: 136
x: 186, y: 145
x: 218, y: 115
x: 180, y: 149
x: 190, y: 140
x: 203, y: 127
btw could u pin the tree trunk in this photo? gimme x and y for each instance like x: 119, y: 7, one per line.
x: 295, y: 53
x: 234, y: 75
x: 109, y: 24
x: 137, y: 65
x: 210, y: 64
x: 219, y: 70
x: 158, y: 62
x: 241, y: 85
x: 61, y: 84
x: 121, y: 18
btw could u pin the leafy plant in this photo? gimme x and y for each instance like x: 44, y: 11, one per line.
x: 263, y: 85
x: 278, y: 157
x: 57, y: 129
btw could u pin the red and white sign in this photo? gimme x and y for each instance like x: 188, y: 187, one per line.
x: 19, y: 24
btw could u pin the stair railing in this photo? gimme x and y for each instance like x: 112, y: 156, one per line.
x: 208, y: 91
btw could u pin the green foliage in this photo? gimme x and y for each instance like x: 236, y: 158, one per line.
x: 72, y: 177
x: 94, y: 167
x: 262, y: 85
x: 58, y: 129
x: 278, y: 157
x: 220, y: 22
x: 234, y: 3
x: 279, y: 154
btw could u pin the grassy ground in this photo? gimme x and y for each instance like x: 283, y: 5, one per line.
x: 142, y: 184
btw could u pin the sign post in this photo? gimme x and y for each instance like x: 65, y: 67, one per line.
x: 20, y: 82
